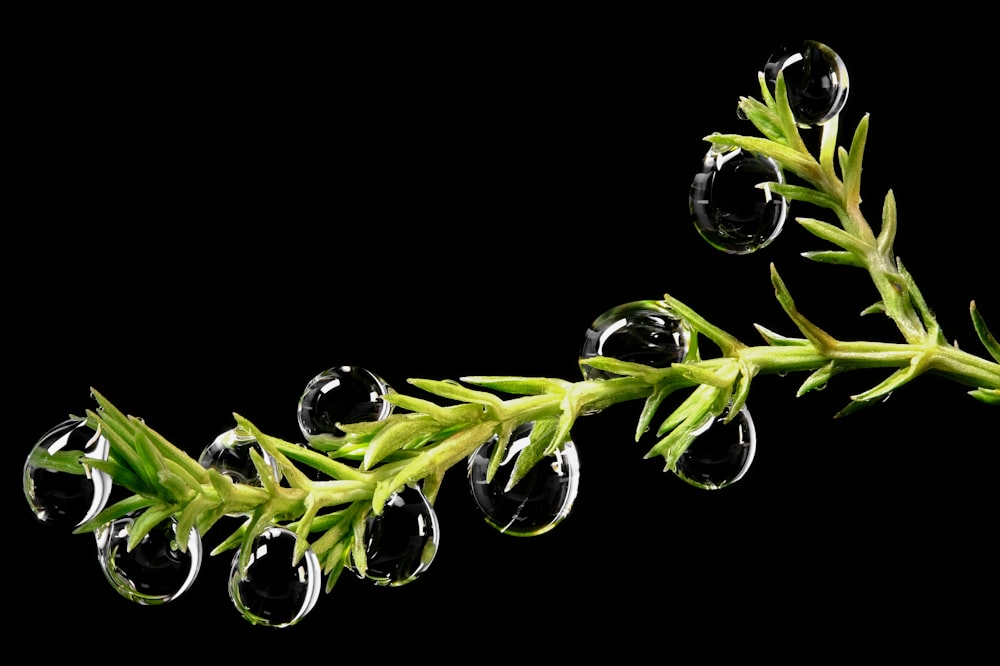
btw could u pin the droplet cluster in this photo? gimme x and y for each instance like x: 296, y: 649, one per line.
x: 275, y: 579
x: 731, y: 198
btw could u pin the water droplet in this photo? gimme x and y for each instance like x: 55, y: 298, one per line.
x: 815, y: 79
x: 229, y: 454
x: 646, y: 332
x: 59, y: 490
x: 537, y: 503
x: 721, y: 455
x: 156, y: 570
x: 271, y: 591
x: 345, y: 394
x: 401, y: 542
x: 730, y: 211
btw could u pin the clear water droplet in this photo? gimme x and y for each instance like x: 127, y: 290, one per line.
x: 732, y: 207
x: 816, y: 81
x: 401, y: 542
x: 156, y: 570
x: 345, y: 394
x: 271, y: 591
x: 59, y: 490
x: 537, y: 503
x: 646, y: 332
x: 229, y: 454
x: 721, y: 455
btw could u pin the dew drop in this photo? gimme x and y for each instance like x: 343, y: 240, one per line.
x: 272, y: 591
x: 539, y: 501
x: 816, y: 81
x: 60, y: 491
x: 402, y: 541
x: 156, y: 570
x: 733, y: 208
x: 721, y: 455
x: 646, y: 332
x: 345, y: 394
x: 229, y: 454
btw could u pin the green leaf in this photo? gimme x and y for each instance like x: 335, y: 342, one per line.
x: 818, y: 379
x: 778, y: 340
x: 797, y: 162
x: 852, y: 164
x: 726, y: 342
x: 446, y: 415
x: 147, y: 520
x: 652, y: 404
x: 828, y: 145
x: 520, y: 385
x: 67, y: 462
x: 763, y: 118
x: 819, y: 338
x: 807, y: 195
x: 894, y: 381
x: 499, y: 450
x: 874, y: 308
x: 833, y: 234
x: 700, y: 375
x: 989, y: 342
x: 452, y: 390
x: 988, y: 396
x: 838, y: 257
x: 887, y: 233
x: 117, y: 510
x: 403, y: 431
x: 439, y: 457
x: 543, y: 438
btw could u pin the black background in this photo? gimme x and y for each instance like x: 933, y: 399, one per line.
x: 208, y: 211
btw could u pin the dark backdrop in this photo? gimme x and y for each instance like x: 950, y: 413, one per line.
x: 210, y: 212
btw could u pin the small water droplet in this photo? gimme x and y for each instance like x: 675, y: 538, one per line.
x: 156, y: 570
x: 229, y: 454
x: 721, y: 455
x: 402, y: 541
x: 646, y: 332
x: 816, y: 81
x: 59, y: 490
x: 272, y: 591
x: 730, y: 211
x: 537, y: 503
x: 345, y: 394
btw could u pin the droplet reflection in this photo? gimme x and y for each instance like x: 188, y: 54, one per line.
x: 272, y: 591
x: 401, y: 542
x: 60, y: 491
x: 721, y: 455
x: 156, y: 570
x: 539, y: 501
x: 345, y: 394
x: 733, y: 207
x: 816, y: 81
x: 646, y: 332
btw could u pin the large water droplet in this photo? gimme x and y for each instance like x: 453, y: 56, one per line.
x: 402, y: 541
x: 345, y: 394
x: 721, y: 455
x: 646, y: 332
x: 59, y: 490
x: 156, y: 570
x: 730, y: 211
x: 539, y: 501
x: 271, y: 591
x: 816, y: 81
x: 229, y: 454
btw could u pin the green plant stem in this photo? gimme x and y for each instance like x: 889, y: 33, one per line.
x: 423, y: 440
